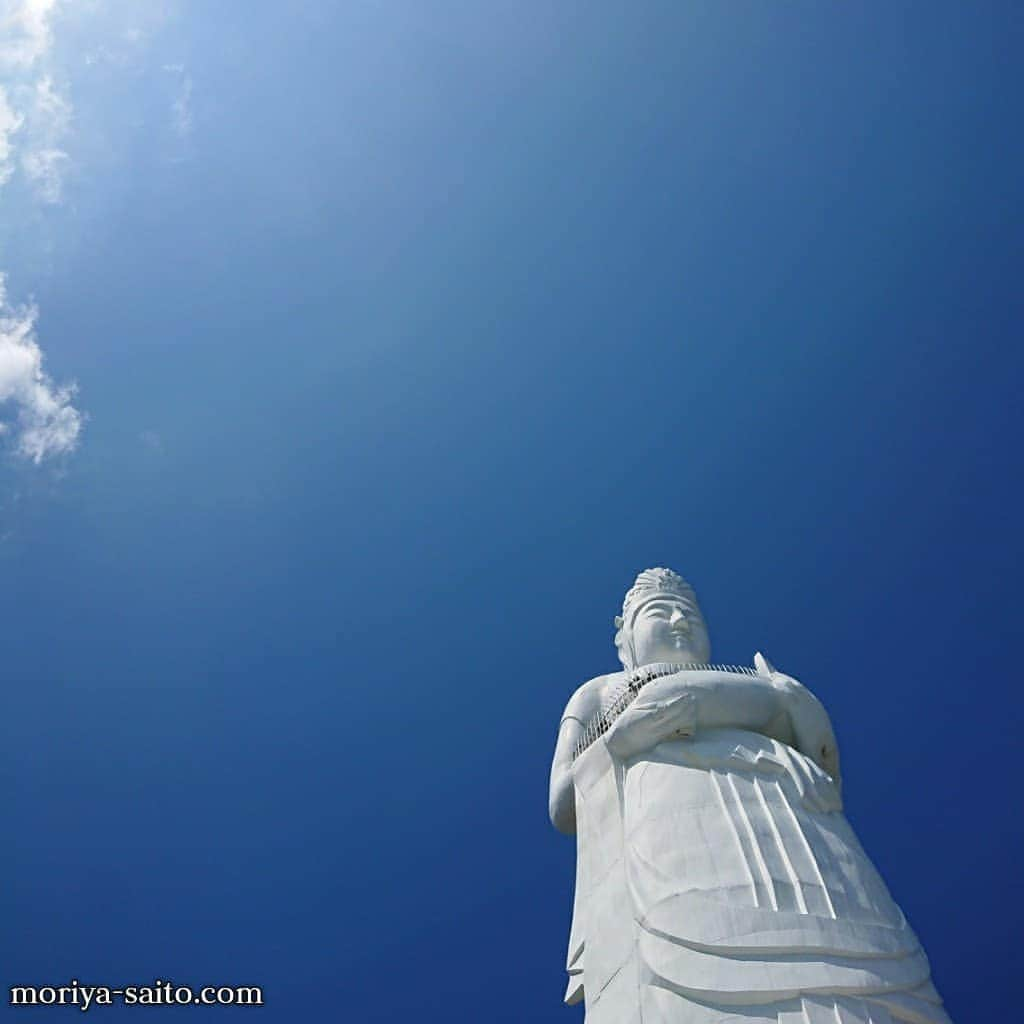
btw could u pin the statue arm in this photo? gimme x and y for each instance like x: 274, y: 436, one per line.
x: 686, y: 703
x: 583, y: 705
x: 561, y: 792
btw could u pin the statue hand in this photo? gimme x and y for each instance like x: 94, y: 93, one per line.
x: 676, y: 713
x: 650, y: 720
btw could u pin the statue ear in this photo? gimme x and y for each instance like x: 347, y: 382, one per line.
x: 618, y: 622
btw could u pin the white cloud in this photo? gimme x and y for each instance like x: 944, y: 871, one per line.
x: 36, y: 415
x: 44, y: 161
x: 152, y: 440
x: 31, y: 105
x: 42, y: 43
x: 45, y: 422
x: 51, y: 109
x: 181, y: 105
x: 10, y: 122
x: 24, y: 31
x: 44, y: 170
x: 181, y: 109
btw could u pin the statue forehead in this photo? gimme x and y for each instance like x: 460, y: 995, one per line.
x: 656, y: 585
x: 667, y: 600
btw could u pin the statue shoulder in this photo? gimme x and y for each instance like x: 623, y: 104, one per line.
x: 587, y: 701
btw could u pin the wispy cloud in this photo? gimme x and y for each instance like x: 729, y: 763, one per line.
x: 181, y: 109
x: 44, y: 170
x: 36, y: 415
x: 44, y: 161
x: 44, y: 45
x: 181, y: 104
x: 31, y: 105
x: 152, y: 440
x: 46, y: 116
x: 24, y: 31
x: 45, y: 422
x: 10, y: 122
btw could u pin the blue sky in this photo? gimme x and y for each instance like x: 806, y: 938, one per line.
x: 404, y: 335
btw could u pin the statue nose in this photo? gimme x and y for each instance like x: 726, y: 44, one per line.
x: 677, y: 621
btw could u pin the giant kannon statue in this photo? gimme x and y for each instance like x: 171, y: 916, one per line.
x: 717, y: 879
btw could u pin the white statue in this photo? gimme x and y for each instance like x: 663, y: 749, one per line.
x: 717, y: 879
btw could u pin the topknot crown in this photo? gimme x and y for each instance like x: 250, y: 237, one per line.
x: 652, y: 582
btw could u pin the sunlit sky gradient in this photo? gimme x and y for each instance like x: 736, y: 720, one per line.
x: 405, y: 334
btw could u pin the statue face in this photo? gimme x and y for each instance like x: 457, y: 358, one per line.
x: 669, y: 629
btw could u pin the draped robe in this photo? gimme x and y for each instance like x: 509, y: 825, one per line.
x: 719, y: 881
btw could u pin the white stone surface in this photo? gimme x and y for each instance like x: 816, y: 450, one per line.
x: 717, y: 878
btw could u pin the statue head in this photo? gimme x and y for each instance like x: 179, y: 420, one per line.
x: 661, y: 621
